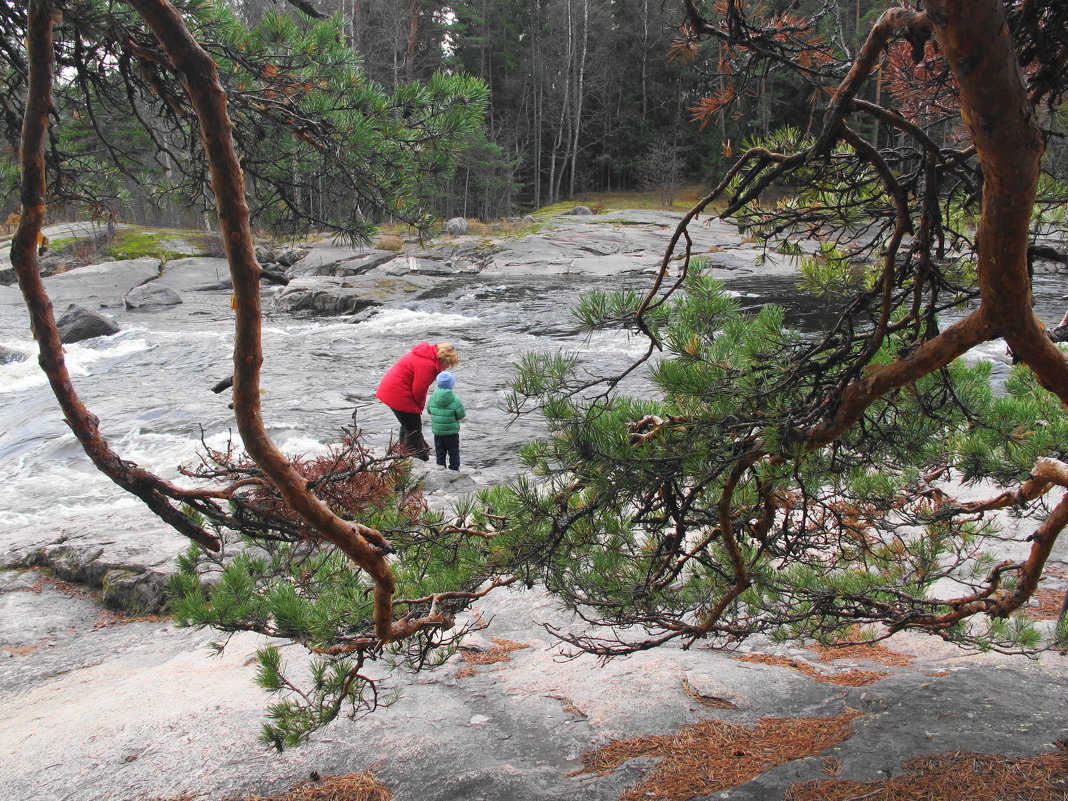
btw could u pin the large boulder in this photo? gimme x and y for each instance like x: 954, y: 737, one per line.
x: 457, y: 226
x: 266, y: 254
x: 151, y: 296
x: 9, y: 356
x: 195, y: 274
x: 321, y: 295
x: 77, y: 324
x: 290, y: 256
x: 581, y: 211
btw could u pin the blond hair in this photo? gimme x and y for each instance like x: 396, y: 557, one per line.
x: 447, y: 355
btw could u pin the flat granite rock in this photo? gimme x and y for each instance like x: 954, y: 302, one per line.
x: 195, y: 274
x: 142, y: 710
x: 101, y: 285
x: 99, y: 708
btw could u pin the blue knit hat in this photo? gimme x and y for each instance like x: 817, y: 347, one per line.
x: 446, y: 380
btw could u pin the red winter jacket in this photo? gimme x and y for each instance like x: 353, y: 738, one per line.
x: 405, y: 384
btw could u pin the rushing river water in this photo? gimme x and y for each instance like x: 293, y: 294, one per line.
x: 150, y: 384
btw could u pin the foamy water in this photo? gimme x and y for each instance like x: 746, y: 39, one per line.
x: 150, y: 384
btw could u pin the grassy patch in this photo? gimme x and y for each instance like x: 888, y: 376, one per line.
x: 137, y: 243
x: 602, y: 202
x: 61, y: 242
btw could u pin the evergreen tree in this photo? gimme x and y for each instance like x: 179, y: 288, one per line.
x: 306, y: 525
x: 769, y: 483
x: 323, y: 147
x: 787, y: 486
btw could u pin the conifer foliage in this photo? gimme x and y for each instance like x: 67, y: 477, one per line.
x: 755, y: 481
x: 306, y: 568
x: 323, y: 147
x: 798, y: 487
x: 275, y: 575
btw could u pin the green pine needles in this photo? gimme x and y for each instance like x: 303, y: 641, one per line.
x: 699, y: 511
x: 276, y: 579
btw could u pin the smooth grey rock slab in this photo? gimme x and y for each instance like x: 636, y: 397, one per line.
x: 429, y: 266
x: 396, y: 266
x: 321, y: 259
x: 103, y: 284
x: 95, y: 710
x: 151, y: 296
x: 77, y: 324
x: 466, y: 257
x: 364, y: 264
x: 195, y: 274
x: 322, y: 295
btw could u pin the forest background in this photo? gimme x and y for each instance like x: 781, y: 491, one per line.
x: 584, y: 96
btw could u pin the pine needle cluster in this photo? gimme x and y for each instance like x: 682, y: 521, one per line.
x: 698, y: 512
x: 275, y: 578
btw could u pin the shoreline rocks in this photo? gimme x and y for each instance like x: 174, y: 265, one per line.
x: 77, y: 324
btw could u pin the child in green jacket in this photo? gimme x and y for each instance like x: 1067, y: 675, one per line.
x: 446, y: 412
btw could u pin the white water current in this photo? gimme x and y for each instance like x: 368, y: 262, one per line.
x: 150, y: 384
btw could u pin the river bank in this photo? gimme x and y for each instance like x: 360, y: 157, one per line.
x: 95, y: 705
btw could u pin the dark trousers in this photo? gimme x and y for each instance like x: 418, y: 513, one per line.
x: 411, y: 435
x: 448, y: 445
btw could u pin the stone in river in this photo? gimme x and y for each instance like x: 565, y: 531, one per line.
x: 77, y: 324
x: 151, y: 296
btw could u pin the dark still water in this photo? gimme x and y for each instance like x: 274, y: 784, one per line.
x: 150, y: 384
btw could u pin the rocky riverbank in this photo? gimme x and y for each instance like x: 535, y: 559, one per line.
x: 100, y: 699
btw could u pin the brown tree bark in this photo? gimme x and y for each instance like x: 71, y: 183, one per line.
x: 158, y: 495
x: 1009, y: 143
x: 366, y: 547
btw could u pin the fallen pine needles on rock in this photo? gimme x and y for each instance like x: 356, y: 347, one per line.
x: 352, y: 787
x: 849, y: 678
x: 713, y: 755
x: 872, y: 652
x: 955, y: 776
x: 1047, y: 607
x: 500, y: 652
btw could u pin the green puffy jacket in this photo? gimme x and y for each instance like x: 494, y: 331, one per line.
x: 446, y: 412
